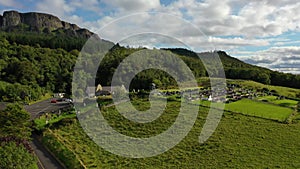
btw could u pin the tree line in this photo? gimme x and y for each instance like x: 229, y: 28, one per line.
x: 28, y: 71
x: 236, y: 69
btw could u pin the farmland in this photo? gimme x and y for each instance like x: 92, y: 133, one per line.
x: 260, y: 109
x: 257, y: 108
x: 251, y: 132
x: 239, y: 142
x: 280, y: 102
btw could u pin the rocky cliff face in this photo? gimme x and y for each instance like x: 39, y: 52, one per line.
x: 39, y: 22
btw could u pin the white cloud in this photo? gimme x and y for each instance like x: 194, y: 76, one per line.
x: 249, y: 19
x: 56, y: 7
x: 88, y: 5
x: 231, y: 25
x: 287, y: 42
x: 286, y: 59
x: 133, y: 5
x: 9, y: 3
x: 238, y: 42
x: 215, y: 18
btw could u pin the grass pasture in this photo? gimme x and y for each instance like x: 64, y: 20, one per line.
x: 281, y: 102
x: 286, y: 102
x: 238, y: 142
x: 260, y: 109
x: 204, y: 103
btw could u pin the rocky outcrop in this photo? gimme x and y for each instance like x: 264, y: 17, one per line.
x: 39, y: 22
x: 11, y: 18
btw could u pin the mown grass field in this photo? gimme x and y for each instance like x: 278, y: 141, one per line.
x: 260, y: 109
x: 239, y: 142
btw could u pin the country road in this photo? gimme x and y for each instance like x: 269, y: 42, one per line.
x: 45, y: 159
x: 45, y: 107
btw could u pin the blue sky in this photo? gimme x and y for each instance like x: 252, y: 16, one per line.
x: 261, y: 32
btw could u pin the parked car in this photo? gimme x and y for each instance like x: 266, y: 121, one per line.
x: 69, y: 100
x: 53, y: 101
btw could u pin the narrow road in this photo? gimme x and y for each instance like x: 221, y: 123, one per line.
x: 45, y: 159
x: 44, y: 107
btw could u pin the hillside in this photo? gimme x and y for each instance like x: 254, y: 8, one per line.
x: 38, y: 56
x: 237, y: 69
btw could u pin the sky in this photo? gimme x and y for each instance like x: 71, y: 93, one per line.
x: 261, y: 32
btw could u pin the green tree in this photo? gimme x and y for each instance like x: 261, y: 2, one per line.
x: 14, y: 122
x: 263, y: 78
x: 13, y: 156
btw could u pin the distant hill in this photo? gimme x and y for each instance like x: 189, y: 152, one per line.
x: 228, y: 61
x: 237, y: 69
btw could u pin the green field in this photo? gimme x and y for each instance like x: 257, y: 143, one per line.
x: 239, y: 142
x: 286, y: 102
x: 271, y: 109
x: 260, y: 109
x: 204, y: 103
x: 281, y: 102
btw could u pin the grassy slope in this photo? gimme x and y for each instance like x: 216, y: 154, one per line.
x: 260, y: 109
x: 40, y: 123
x: 281, y: 102
x: 42, y: 98
x: 284, y: 91
x: 238, y: 142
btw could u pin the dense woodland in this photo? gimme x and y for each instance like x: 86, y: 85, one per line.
x: 27, y: 72
x: 33, y: 64
x: 15, y: 131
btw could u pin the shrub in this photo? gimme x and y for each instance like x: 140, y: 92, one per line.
x: 60, y: 151
x: 16, y: 156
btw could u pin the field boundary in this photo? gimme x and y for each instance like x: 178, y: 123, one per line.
x: 62, y: 142
x: 38, y: 139
x: 229, y: 111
